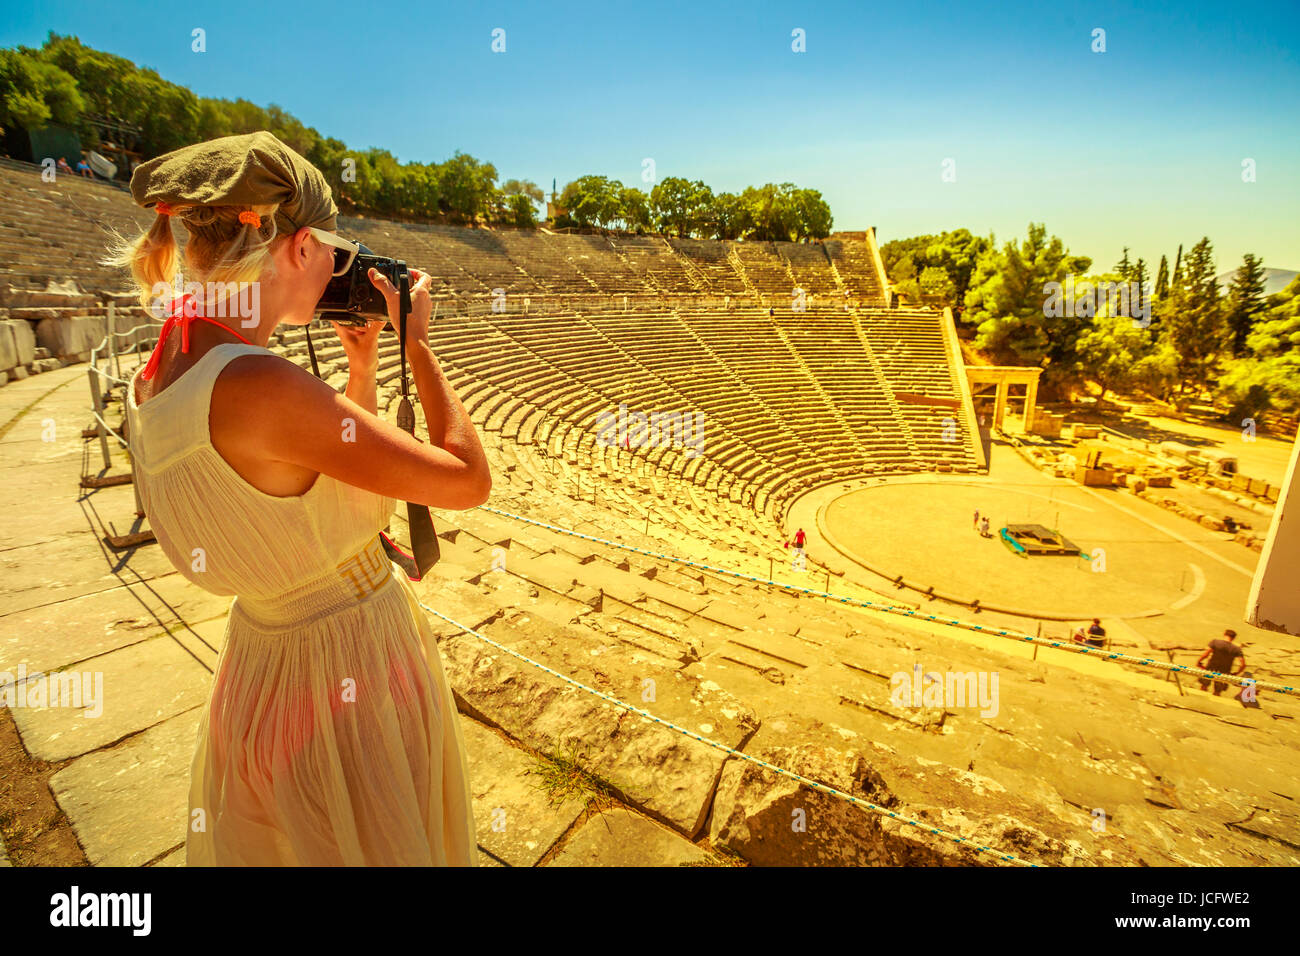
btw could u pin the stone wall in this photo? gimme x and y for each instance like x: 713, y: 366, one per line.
x: 41, y: 331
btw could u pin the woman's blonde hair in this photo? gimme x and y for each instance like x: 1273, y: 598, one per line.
x: 220, y: 248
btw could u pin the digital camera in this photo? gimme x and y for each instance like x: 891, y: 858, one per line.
x: 352, y: 299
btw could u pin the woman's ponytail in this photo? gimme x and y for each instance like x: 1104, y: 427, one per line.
x: 151, y: 257
x: 221, y: 247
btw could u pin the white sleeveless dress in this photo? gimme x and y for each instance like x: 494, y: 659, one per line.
x: 331, y: 736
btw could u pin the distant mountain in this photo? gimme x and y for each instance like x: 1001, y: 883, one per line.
x: 1275, y: 280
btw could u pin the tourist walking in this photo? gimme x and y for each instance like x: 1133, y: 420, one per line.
x: 977, y: 519
x: 331, y: 736
x: 1220, y: 654
x: 984, y: 528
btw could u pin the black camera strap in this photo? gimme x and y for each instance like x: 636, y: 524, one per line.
x: 315, y: 369
x: 424, y: 539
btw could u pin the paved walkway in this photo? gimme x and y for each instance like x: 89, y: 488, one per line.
x: 147, y: 641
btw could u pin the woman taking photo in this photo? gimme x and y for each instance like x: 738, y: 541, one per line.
x: 331, y: 736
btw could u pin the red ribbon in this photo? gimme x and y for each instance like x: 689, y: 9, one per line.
x: 184, y: 316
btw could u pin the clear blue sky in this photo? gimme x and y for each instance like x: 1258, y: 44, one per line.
x: 1141, y: 145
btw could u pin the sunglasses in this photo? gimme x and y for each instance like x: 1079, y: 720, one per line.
x: 345, y: 251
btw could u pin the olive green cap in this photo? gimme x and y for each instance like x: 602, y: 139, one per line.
x: 245, y: 170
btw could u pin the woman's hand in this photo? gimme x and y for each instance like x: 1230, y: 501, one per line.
x: 361, y: 345
x: 417, y: 320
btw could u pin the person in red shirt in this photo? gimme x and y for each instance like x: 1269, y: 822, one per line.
x: 799, y: 539
x: 1221, y: 654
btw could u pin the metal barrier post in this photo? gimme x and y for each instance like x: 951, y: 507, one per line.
x: 112, y: 339
x: 93, y: 373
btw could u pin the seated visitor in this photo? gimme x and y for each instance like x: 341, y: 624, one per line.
x: 1096, y: 634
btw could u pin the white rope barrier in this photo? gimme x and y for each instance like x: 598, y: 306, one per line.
x: 875, y: 808
x: 909, y: 612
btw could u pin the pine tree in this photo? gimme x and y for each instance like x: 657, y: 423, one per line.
x: 1018, y: 320
x: 1161, y: 293
x: 1269, y: 376
x: 1245, y: 301
x: 1124, y: 267
x: 1140, y: 278
x: 1194, y: 321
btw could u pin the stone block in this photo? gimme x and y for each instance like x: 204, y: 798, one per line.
x: 660, y: 771
x: 8, y: 347
x: 56, y: 295
x: 1094, y: 476
x: 129, y: 804
x: 620, y: 838
x: 24, y: 339
x: 107, y: 698
x: 71, y: 337
x: 133, y: 325
x: 516, y: 822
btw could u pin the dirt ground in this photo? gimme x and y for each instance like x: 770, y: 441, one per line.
x: 35, y: 830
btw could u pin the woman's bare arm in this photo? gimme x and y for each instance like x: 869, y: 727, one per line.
x: 286, y: 414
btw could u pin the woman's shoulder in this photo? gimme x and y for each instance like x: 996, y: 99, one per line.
x: 257, y: 389
x: 249, y: 374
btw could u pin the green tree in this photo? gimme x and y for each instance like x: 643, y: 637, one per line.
x: 1194, y: 320
x: 1111, y: 350
x: 1138, y: 276
x: 1157, y: 372
x: 592, y: 200
x: 523, y: 210
x: 422, y: 189
x: 1277, y: 333
x: 103, y: 80
x: 213, y: 121
x: 1010, y: 301
x: 634, y: 209
x: 172, y: 119
x: 955, y: 253
x: 467, y: 186
x: 1270, y: 379
x: 514, y: 187
x: 1245, y: 301
x: 680, y: 205
x: 729, y: 218
x: 1162, y: 278
x: 903, y: 277
x: 935, y: 280
x: 1124, y: 267
x: 812, y: 216
x: 773, y: 211
x: 34, y: 93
